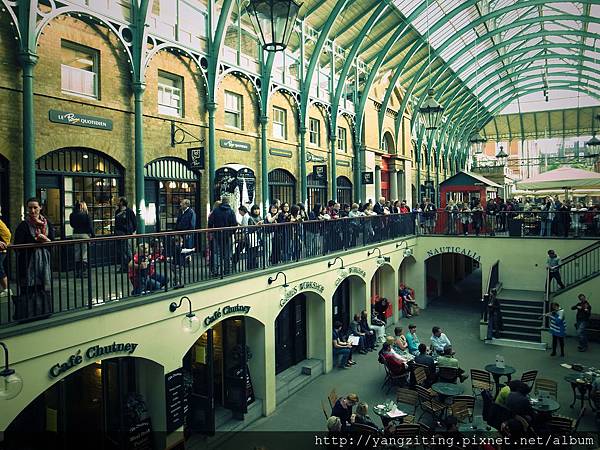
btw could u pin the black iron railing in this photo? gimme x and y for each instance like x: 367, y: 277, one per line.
x: 72, y: 275
x: 512, y: 224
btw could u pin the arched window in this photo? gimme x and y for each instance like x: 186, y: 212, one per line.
x: 317, y: 191
x: 282, y: 186
x: 167, y: 182
x: 344, y: 190
x: 69, y: 175
x: 387, y: 145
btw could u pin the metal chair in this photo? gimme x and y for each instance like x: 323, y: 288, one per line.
x: 361, y: 428
x: 550, y: 386
x: 406, y: 430
x: 392, y: 379
x: 448, y: 374
x: 332, y: 397
x: 561, y: 424
x: 463, y: 407
x: 430, y: 404
x: 481, y: 381
x: 420, y: 375
x: 409, y: 398
x: 324, y: 410
x: 529, y: 377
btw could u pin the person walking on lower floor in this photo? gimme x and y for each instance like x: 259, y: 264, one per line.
x: 125, y: 224
x: 557, y: 328
x: 552, y: 264
x: 584, y: 312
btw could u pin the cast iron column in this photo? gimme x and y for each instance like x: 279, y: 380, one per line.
x: 28, y: 61
x: 138, y: 92
x: 212, y: 158
x: 303, y: 180
x: 264, y: 168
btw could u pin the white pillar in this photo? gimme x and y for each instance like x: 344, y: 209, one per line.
x: 393, y: 186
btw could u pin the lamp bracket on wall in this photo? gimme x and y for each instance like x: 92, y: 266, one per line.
x: 179, y: 135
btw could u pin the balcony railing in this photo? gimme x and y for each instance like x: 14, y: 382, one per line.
x: 73, y: 275
x: 557, y: 224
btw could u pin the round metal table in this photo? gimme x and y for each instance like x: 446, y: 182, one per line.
x: 385, y: 418
x: 447, y: 391
x: 582, y: 388
x: 498, y: 372
x: 546, y: 405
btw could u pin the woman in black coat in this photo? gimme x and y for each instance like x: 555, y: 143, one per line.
x: 33, y: 265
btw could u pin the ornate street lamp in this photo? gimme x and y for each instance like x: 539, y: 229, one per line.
x: 477, y: 142
x: 431, y: 112
x: 273, y: 21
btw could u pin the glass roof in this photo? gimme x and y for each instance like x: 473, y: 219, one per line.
x: 520, y: 43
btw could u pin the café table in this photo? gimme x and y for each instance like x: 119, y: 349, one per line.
x: 581, y: 384
x: 498, y: 372
x: 545, y: 405
x: 384, y: 415
x: 447, y: 390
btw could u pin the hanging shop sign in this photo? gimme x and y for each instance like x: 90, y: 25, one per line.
x: 280, y: 152
x: 175, y: 400
x: 366, y: 177
x: 79, y: 120
x: 227, y: 310
x: 304, y: 286
x: 196, y: 158
x: 311, y: 157
x: 458, y: 250
x: 235, y: 145
x: 94, y: 352
x: 320, y: 172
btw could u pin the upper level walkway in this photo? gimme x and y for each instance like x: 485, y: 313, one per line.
x: 53, y: 279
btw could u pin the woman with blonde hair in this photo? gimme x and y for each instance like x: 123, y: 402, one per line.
x: 362, y: 415
x: 82, y: 226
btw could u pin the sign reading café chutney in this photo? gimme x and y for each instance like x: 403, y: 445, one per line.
x: 227, y: 310
x: 94, y: 352
x: 79, y: 120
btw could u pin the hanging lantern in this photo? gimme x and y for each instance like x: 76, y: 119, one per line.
x: 431, y: 112
x: 502, y: 155
x: 477, y: 141
x: 273, y: 21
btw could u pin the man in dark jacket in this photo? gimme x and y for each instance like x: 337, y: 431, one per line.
x: 491, y: 211
x: 125, y: 224
x: 222, y: 217
x: 186, y: 220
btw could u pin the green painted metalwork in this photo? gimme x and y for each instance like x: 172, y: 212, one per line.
x: 215, y: 43
x: 265, y: 86
x: 27, y: 57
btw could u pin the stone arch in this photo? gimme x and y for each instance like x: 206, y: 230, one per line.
x: 293, y: 106
x: 387, y: 142
x: 200, y: 62
x: 384, y: 285
x: 152, y: 371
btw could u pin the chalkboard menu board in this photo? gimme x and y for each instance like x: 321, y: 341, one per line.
x: 175, y: 399
x: 140, y: 436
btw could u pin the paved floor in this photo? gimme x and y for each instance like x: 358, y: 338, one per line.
x: 458, y: 314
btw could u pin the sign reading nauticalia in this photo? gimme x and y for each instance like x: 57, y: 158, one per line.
x: 449, y: 249
x: 80, y: 120
x: 94, y: 352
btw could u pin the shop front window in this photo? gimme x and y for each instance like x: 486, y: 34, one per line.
x: 70, y: 175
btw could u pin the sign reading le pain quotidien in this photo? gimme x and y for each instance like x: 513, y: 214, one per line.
x: 94, y: 352
x: 79, y: 120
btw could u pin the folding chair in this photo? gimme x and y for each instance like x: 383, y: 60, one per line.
x: 550, y: 386
x: 332, y: 397
x: 463, y: 407
x: 429, y: 404
x: 448, y: 374
x: 529, y: 377
x: 409, y: 398
x: 481, y: 381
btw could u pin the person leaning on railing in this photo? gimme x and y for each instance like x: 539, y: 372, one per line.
x: 33, y: 264
x: 5, y: 237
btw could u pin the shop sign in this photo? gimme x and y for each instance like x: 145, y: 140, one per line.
x: 357, y: 271
x: 95, y: 352
x: 320, y: 172
x: 227, y: 310
x: 311, y: 157
x: 342, y: 163
x: 235, y: 145
x: 69, y: 118
x: 280, y: 152
x: 366, y: 177
x: 459, y: 250
x: 196, y: 158
x: 175, y: 400
x: 304, y: 286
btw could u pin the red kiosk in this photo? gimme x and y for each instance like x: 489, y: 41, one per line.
x: 465, y: 187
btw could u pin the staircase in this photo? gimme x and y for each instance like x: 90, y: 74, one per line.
x: 521, y: 312
x: 296, y: 377
x: 578, y: 268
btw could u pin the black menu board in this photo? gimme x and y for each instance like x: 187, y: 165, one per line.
x: 140, y: 436
x: 175, y: 399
